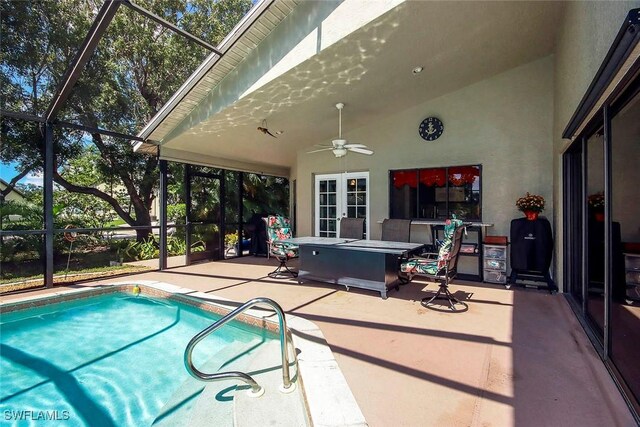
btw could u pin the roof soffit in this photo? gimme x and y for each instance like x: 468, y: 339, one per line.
x: 370, y: 70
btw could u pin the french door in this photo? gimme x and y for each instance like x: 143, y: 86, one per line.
x: 341, y: 195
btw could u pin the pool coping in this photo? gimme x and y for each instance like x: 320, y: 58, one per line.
x: 328, y: 398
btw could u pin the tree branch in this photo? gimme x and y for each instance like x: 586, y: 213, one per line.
x: 15, y: 180
x: 94, y: 192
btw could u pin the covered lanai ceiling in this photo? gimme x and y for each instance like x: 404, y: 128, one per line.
x: 370, y: 70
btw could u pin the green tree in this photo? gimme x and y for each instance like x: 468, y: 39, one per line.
x: 266, y: 194
x: 138, y: 65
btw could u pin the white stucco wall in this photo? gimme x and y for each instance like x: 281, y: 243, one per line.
x: 587, y: 32
x: 503, y: 123
x: 12, y: 196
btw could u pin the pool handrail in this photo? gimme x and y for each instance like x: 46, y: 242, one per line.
x: 256, y: 389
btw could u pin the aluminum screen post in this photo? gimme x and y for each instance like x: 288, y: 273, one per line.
x: 240, y: 176
x: 187, y: 219
x: 163, y: 215
x: 48, y: 204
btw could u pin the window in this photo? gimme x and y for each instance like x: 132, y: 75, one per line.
x: 436, y: 193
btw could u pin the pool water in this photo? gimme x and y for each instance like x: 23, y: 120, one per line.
x: 110, y: 360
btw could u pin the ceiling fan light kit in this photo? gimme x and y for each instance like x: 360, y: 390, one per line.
x: 339, y: 152
x: 339, y: 146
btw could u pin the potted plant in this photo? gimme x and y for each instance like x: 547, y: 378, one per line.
x: 531, y: 205
x: 596, y: 205
x: 231, y: 243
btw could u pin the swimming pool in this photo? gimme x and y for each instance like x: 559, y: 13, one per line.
x: 108, y: 360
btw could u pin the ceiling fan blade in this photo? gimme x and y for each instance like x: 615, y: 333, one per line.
x: 319, y: 150
x: 355, y: 146
x: 361, y: 150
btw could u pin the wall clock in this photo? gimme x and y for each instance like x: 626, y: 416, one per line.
x: 431, y: 128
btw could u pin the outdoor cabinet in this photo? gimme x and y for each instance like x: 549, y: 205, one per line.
x: 495, y: 263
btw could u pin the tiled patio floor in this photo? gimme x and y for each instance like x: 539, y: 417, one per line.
x: 516, y: 357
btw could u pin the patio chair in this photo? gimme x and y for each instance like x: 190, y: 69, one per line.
x: 396, y: 230
x: 352, y: 228
x: 278, y: 229
x: 441, y: 266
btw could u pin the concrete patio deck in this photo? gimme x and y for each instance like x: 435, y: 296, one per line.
x: 516, y: 357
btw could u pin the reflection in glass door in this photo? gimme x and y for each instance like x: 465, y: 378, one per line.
x: 339, y: 196
x: 595, y: 232
x: 625, y: 244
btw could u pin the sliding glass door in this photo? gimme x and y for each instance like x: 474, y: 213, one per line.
x: 602, y: 233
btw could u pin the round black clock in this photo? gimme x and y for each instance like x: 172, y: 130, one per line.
x: 431, y: 128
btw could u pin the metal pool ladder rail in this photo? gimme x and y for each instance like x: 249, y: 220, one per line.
x: 256, y: 390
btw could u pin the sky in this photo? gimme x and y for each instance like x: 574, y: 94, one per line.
x: 8, y: 171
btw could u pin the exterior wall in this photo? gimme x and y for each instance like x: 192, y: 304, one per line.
x: 13, y: 196
x: 588, y: 29
x: 503, y: 123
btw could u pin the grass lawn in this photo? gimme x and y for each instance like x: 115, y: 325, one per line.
x: 82, y: 266
x: 9, y: 285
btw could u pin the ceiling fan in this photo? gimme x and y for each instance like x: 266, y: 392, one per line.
x: 339, y: 146
x: 264, y: 129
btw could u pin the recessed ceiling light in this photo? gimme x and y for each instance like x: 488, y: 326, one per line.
x: 417, y: 70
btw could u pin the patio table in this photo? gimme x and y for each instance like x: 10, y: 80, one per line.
x: 366, y: 264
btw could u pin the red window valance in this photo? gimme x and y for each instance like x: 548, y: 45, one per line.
x: 458, y: 175
x: 431, y: 177
x: 409, y: 178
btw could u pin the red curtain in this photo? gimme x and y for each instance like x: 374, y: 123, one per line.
x: 401, y: 178
x: 431, y: 177
x: 458, y: 175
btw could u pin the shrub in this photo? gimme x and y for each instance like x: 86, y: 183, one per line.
x: 150, y: 248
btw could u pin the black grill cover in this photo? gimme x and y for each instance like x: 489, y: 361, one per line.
x: 531, y: 244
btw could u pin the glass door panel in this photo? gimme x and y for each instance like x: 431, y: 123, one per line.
x: 595, y: 232
x: 326, y: 205
x: 625, y: 227
x: 356, y: 201
x: 574, y: 206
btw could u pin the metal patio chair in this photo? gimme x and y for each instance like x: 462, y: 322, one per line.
x: 440, y: 267
x: 396, y: 230
x: 352, y: 228
x: 278, y: 229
